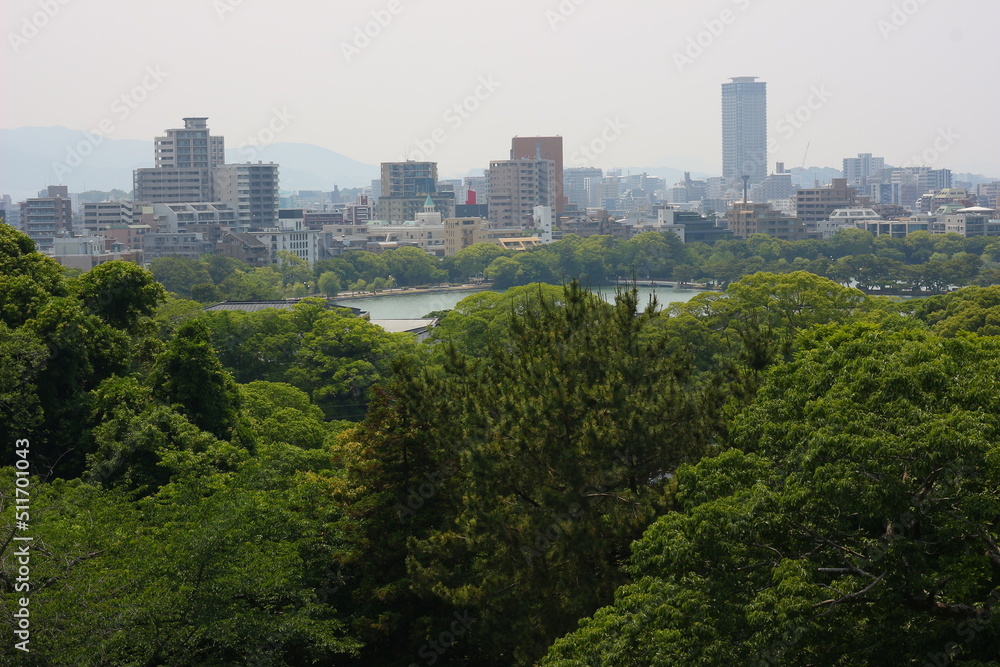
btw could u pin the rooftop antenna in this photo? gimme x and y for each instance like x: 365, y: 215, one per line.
x: 746, y: 180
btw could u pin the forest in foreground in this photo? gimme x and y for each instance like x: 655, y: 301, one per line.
x: 786, y: 472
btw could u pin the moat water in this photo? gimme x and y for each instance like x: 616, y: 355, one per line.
x: 414, y: 305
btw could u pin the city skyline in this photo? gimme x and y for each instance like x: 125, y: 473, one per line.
x: 366, y: 96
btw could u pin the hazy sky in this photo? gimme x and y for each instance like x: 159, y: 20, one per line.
x: 638, y: 81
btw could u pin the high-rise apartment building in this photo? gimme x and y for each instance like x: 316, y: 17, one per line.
x: 516, y: 187
x: 543, y: 148
x: 190, y: 147
x: 744, y: 129
x: 251, y: 189
x: 45, y: 218
x: 190, y: 169
x: 184, y: 160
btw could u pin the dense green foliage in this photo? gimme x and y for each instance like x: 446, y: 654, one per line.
x: 854, y: 522
x: 784, y: 472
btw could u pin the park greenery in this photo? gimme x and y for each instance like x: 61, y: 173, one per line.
x: 784, y: 471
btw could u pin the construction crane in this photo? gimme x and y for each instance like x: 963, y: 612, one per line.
x: 804, y: 158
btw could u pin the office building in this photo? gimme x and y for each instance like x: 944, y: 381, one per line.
x: 744, y: 129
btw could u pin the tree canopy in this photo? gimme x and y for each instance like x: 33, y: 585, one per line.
x: 854, y: 521
x: 784, y: 470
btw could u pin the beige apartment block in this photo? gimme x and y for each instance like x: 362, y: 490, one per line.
x: 516, y: 187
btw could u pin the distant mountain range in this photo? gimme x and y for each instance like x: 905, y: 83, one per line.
x: 32, y: 158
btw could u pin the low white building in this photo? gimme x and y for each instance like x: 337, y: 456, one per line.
x: 78, y: 245
x: 845, y: 218
x: 973, y: 221
x: 180, y: 218
x: 292, y: 235
x: 543, y: 223
x: 430, y: 238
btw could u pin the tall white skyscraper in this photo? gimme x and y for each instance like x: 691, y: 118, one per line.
x: 744, y: 129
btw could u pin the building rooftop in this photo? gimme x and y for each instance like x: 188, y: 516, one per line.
x: 247, y: 239
x: 406, y: 326
x: 257, y: 306
x: 251, y: 306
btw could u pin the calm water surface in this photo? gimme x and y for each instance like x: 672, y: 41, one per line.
x: 410, y: 306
